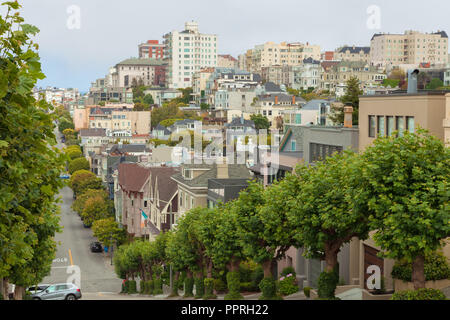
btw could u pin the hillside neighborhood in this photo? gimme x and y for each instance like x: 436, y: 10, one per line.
x: 286, y: 172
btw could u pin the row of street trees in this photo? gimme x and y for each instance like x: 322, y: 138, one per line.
x: 30, y: 163
x: 398, y: 188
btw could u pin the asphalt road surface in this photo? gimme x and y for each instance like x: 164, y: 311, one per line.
x: 74, y: 261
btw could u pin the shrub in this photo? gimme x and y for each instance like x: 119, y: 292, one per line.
x: 157, y: 286
x: 199, y: 287
x: 436, y: 268
x: 142, y: 286
x: 234, y: 286
x: 257, y: 276
x: 209, y: 289
x: 245, y: 272
x: 247, y: 286
x: 269, y: 289
x: 150, y: 287
x: 326, y: 284
x: 287, y: 285
x: 220, y: 286
x: 288, y: 270
x: 188, y: 287
x: 132, y: 286
x: 420, y: 294
x: 74, y: 154
x: 307, y: 291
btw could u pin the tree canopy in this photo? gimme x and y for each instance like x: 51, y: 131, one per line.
x: 407, y: 178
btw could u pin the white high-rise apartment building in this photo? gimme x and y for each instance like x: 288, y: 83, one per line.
x: 186, y: 53
x: 412, y: 47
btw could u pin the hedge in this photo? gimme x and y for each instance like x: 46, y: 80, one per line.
x: 209, y: 289
x: 234, y: 286
x: 420, y: 294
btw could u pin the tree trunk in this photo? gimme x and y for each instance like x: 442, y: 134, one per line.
x: 267, y: 267
x: 331, y: 253
x: 5, y: 291
x: 210, y: 267
x: 234, y: 265
x: 418, y: 272
x: 19, y: 292
x: 189, y: 274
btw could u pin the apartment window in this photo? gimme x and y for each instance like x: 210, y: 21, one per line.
x: 410, y: 124
x: 132, y: 203
x: 400, y: 125
x: 380, y: 126
x: 293, y: 145
x: 181, y: 199
x: 390, y: 125
x: 145, y: 204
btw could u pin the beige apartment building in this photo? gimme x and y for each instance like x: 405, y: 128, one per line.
x: 381, y: 115
x: 412, y: 47
x: 271, y: 53
x: 136, y: 122
x: 353, y: 53
x: 340, y: 73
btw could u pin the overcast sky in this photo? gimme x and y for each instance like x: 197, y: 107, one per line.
x: 110, y: 30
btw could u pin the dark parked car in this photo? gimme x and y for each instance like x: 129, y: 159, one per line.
x: 96, y: 247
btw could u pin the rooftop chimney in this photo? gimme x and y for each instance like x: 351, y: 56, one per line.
x: 412, y: 81
x: 276, y: 99
x: 222, y: 171
x: 348, y: 117
x: 293, y: 99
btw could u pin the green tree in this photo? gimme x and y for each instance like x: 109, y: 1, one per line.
x: 95, y: 208
x: 108, y: 231
x: 82, y: 180
x: 74, y: 153
x: 139, y: 106
x: 328, y: 210
x: 78, y: 164
x: 261, y: 122
x: 351, y: 97
x: 30, y: 164
x: 148, y: 99
x: 65, y: 124
x: 78, y: 204
x: 408, y: 181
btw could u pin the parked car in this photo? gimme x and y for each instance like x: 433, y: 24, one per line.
x: 64, y: 176
x: 96, y: 247
x: 60, y: 291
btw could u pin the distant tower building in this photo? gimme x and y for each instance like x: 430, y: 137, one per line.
x: 186, y: 53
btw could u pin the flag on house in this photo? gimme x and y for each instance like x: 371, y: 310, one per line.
x: 144, y: 217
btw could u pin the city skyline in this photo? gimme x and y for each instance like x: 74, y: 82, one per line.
x: 110, y: 31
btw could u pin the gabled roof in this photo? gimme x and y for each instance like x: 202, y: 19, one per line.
x: 167, y: 187
x: 160, y: 127
x: 235, y: 171
x: 354, y: 49
x: 272, y: 87
x: 238, y: 122
x: 315, y: 104
x: 132, y: 176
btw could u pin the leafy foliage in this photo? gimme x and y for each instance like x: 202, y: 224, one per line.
x: 30, y: 163
x: 108, y: 232
x: 436, y: 268
x: 78, y: 164
x: 261, y: 122
x: 407, y: 179
x: 420, y: 294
